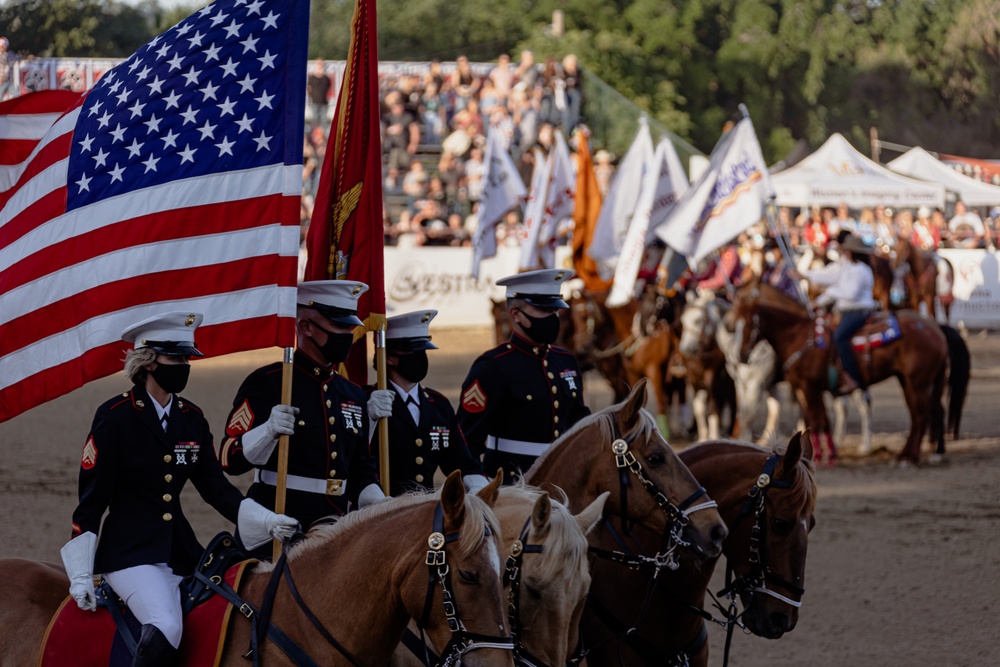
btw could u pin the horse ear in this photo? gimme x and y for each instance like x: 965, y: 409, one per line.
x: 592, y: 513
x: 795, y: 451
x: 453, y: 500
x: 491, y: 491
x: 541, y: 513
x: 636, y: 401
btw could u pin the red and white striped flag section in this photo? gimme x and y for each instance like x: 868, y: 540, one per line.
x: 728, y: 198
x: 24, y: 121
x: 173, y: 185
x: 662, y: 185
x: 504, y: 190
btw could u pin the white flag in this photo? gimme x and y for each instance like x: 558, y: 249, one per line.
x: 560, y: 200
x: 620, y: 203
x: 534, y: 212
x: 502, y: 191
x: 729, y: 197
x: 662, y: 185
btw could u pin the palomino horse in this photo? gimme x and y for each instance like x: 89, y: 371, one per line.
x: 546, y: 575
x: 768, y: 497
x: 362, y: 578
x: 929, y: 279
x: 919, y: 360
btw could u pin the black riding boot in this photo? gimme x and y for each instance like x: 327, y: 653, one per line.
x: 154, y: 650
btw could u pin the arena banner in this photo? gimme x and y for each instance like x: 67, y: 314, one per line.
x: 439, y: 278
x: 977, y: 287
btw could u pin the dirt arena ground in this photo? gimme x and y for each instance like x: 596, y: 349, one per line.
x: 903, y: 564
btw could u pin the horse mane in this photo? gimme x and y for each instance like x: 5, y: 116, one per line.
x: 779, y: 301
x: 479, y: 521
x: 604, y: 420
x: 565, y: 550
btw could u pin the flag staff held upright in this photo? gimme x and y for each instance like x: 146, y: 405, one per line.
x: 286, y: 399
x: 383, y: 424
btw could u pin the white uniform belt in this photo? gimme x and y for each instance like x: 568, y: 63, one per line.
x: 326, y: 487
x: 522, y: 447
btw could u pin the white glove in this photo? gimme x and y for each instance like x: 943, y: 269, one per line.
x: 78, y: 559
x: 257, y: 525
x: 258, y: 443
x: 380, y: 403
x: 474, y: 482
x: 370, y: 495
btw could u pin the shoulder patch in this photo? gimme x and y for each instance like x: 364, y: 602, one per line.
x: 474, y: 398
x: 89, y: 458
x: 242, y: 419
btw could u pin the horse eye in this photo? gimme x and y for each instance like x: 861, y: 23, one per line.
x: 468, y: 577
x: 781, y: 526
x: 655, y: 459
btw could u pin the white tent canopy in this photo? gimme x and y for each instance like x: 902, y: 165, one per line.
x: 838, y: 174
x: 918, y: 163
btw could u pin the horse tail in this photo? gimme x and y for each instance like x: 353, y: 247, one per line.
x: 958, y: 377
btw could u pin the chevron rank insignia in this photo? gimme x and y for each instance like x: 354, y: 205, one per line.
x: 89, y: 459
x: 241, y: 421
x: 474, y: 399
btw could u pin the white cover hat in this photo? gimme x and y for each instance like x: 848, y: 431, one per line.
x: 410, y: 332
x: 541, y: 288
x: 170, y: 333
x: 337, y: 300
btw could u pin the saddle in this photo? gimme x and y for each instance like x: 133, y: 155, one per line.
x: 107, y: 637
x: 879, y: 330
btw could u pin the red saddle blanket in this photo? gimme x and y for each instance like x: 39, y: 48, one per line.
x: 84, y: 638
x: 881, y: 329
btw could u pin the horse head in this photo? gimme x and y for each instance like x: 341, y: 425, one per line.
x: 783, y: 514
x: 546, y: 573
x: 697, y: 327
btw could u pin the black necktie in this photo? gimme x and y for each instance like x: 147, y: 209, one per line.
x: 163, y: 421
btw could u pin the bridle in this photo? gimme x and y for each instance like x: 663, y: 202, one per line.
x: 462, y: 641
x: 512, y: 581
x: 755, y: 582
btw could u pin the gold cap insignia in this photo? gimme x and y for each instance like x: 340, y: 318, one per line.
x: 190, y: 320
x: 559, y: 276
x: 425, y: 318
x: 357, y: 288
x: 311, y: 302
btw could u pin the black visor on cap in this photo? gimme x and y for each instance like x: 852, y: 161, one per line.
x: 543, y: 300
x: 414, y: 344
x: 173, y: 349
x: 335, y: 314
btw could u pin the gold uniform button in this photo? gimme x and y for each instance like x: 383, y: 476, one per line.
x: 168, y: 516
x: 301, y: 423
x: 167, y: 458
x: 333, y: 455
x: 556, y: 433
x: 535, y: 350
x: 545, y: 363
x: 551, y: 376
x: 333, y: 473
x: 418, y: 442
x: 528, y: 397
x: 167, y: 497
x: 419, y: 478
x: 125, y: 395
x: 574, y: 394
x: 420, y: 460
x: 332, y: 420
x: 555, y: 419
x: 329, y: 403
x: 333, y: 437
x: 325, y: 387
x: 555, y: 404
x: 554, y: 390
x: 168, y: 478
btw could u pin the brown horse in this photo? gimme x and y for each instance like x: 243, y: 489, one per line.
x: 546, y: 575
x: 705, y: 362
x: 766, y: 570
x: 918, y: 360
x: 360, y: 584
x: 619, y: 450
x: 924, y: 277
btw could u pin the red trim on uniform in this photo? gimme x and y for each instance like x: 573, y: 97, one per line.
x: 76, y: 529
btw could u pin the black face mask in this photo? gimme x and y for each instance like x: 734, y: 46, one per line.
x: 337, y: 347
x: 172, y: 378
x: 413, y: 366
x: 543, y: 330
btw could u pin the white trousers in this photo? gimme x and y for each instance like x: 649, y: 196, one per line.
x: 153, y: 594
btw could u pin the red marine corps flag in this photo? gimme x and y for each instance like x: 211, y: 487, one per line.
x: 345, y: 239
x: 173, y: 184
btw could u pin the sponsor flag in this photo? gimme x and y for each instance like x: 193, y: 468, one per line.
x: 534, y: 212
x: 24, y: 121
x: 174, y: 184
x: 662, y: 185
x: 559, y: 201
x: 620, y: 204
x: 503, y: 191
x: 729, y: 197
x: 587, y: 206
x: 346, y: 234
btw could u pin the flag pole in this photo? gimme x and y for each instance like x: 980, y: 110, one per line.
x: 286, y: 399
x: 383, y: 423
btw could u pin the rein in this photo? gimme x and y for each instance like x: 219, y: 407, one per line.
x: 760, y: 573
x: 512, y: 581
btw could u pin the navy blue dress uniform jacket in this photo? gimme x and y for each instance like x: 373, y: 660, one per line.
x: 521, y: 392
x: 330, y: 440
x: 416, y: 450
x: 136, y: 471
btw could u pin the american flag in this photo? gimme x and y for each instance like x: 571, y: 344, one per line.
x: 173, y: 185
